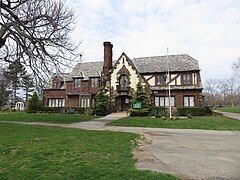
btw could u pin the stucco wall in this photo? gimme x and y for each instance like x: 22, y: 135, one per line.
x: 133, y: 78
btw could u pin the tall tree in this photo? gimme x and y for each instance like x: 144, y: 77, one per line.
x: 14, y: 73
x: 27, y: 85
x: 37, y: 33
x: 4, y: 92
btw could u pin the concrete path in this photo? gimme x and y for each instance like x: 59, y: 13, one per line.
x: 232, y: 115
x: 186, y: 153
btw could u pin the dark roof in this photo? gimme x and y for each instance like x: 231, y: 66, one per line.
x: 181, y: 62
x: 86, y: 70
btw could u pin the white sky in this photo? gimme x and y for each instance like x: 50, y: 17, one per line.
x: 207, y: 30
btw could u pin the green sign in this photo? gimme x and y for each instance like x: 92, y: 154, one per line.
x: 137, y: 105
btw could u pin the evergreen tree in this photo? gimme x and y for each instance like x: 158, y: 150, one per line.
x: 142, y: 95
x: 4, y: 92
x: 13, y: 74
x: 102, y: 103
x: 34, y: 105
x: 27, y: 84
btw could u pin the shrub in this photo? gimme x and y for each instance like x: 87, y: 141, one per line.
x: 139, y: 112
x: 157, y: 112
x: 88, y: 111
x: 64, y: 110
x: 193, y: 111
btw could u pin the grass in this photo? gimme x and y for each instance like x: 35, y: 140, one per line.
x: 30, y: 152
x: 198, y: 122
x: 230, y: 109
x: 42, y: 117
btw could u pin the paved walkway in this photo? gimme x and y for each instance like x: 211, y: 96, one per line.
x: 187, y: 153
x: 231, y: 115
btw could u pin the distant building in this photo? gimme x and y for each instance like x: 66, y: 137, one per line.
x: 78, y: 88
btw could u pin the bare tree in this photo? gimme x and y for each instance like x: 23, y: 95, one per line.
x: 224, y: 88
x: 37, y: 33
x: 236, y: 67
x: 210, y: 89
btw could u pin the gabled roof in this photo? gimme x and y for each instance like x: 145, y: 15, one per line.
x: 180, y: 62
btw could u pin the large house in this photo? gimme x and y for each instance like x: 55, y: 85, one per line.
x: 119, y: 78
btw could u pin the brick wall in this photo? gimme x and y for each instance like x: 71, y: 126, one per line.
x: 179, y: 94
x: 53, y: 93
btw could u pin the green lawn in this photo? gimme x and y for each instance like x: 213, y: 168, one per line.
x: 230, y: 109
x: 35, y: 152
x: 42, y: 117
x: 199, y: 122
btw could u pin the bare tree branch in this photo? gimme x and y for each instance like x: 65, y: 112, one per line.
x: 37, y: 33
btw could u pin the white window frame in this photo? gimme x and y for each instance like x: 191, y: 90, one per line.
x: 56, y: 102
x: 84, y: 101
x: 188, y: 101
x: 163, y: 101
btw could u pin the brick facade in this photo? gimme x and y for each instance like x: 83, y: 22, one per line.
x: 94, y: 75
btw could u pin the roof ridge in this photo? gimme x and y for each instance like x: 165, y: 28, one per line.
x: 160, y: 56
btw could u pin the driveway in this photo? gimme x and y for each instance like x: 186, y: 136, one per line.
x: 231, y: 115
x: 186, y: 153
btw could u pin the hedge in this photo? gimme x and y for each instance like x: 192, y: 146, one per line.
x: 139, y: 112
x: 63, y: 110
x: 194, y: 111
x: 157, y: 112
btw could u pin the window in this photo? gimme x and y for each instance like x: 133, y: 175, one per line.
x: 56, y: 102
x: 85, y: 101
x: 186, y: 79
x: 188, y: 101
x: 94, y: 82
x: 123, y: 82
x: 161, y: 79
x: 55, y: 85
x: 164, y: 101
x: 77, y: 82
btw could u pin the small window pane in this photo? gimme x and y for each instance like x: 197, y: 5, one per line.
x: 191, y: 101
x: 166, y: 101
x: 186, y: 101
x: 156, y: 100
x: 161, y: 101
x: 63, y: 103
x: 172, y: 101
x: 57, y: 103
x: 50, y: 103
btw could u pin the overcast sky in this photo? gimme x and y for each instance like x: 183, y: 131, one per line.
x: 207, y: 30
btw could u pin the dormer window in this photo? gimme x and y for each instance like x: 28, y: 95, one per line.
x: 94, y: 82
x: 77, y: 82
x: 161, y: 79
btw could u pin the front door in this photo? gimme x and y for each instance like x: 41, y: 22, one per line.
x: 122, y: 103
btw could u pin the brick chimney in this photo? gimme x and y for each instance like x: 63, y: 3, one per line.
x: 107, y: 64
